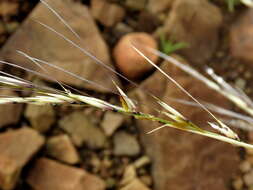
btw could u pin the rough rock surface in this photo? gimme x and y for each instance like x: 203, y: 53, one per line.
x: 156, y: 6
x: 8, y: 8
x: 136, y: 184
x: 61, y: 148
x: 46, y: 45
x: 9, y: 113
x: 113, y: 14
x: 111, y: 122
x: 82, y: 131
x: 184, y: 161
x: 241, y: 37
x: 136, y: 5
x: 40, y: 117
x: 196, y: 23
x: 125, y: 145
x: 16, y: 147
x: 51, y: 175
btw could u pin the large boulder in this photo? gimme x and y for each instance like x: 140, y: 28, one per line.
x: 197, y: 23
x: 181, y: 160
x: 37, y: 41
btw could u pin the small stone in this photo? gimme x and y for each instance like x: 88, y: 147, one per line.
x: 241, y: 37
x: 51, y: 175
x: 61, y: 148
x: 148, y: 22
x: 11, y: 27
x: 238, y: 184
x: 113, y: 14
x: 245, y: 166
x: 2, y: 30
x: 8, y: 8
x: 9, y: 113
x: 248, y: 178
x: 125, y: 145
x: 128, y: 61
x: 157, y: 6
x: 240, y: 83
x: 121, y: 29
x: 94, y: 183
x: 111, y: 183
x: 82, y: 131
x: 111, y: 122
x: 16, y: 147
x: 196, y: 23
x: 136, y: 5
x: 40, y: 117
x: 147, y: 180
x: 135, y: 184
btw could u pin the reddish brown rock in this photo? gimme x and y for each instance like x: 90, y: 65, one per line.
x: 128, y: 61
x: 196, y: 23
x: 184, y: 161
x: 46, y: 45
x: 16, y: 147
x: 9, y: 113
x: 114, y: 13
x: 51, y: 175
x: 241, y: 37
x: 61, y: 148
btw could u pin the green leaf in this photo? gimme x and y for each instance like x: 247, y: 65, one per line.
x: 168, y: 46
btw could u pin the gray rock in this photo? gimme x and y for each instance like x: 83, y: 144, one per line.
x: 40, y: 117
x: 46, y: 45
x: 16, y: 147
x: 82, y: 131
x: 9, y: 113
x: 125, y: 145
x: 181, y: 160
x: 61, y: 148
x: 197, y: 23
x: 111, y: 122
x: 52, y: 175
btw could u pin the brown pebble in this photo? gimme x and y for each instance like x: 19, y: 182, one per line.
x: 128, y: 61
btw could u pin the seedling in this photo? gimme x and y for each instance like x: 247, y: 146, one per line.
x: 168, y: 46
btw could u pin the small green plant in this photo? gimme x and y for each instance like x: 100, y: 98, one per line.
x: 231, y: 4
x: 168, y: 46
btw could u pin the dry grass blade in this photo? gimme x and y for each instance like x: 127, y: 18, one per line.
x: 237, y: 97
